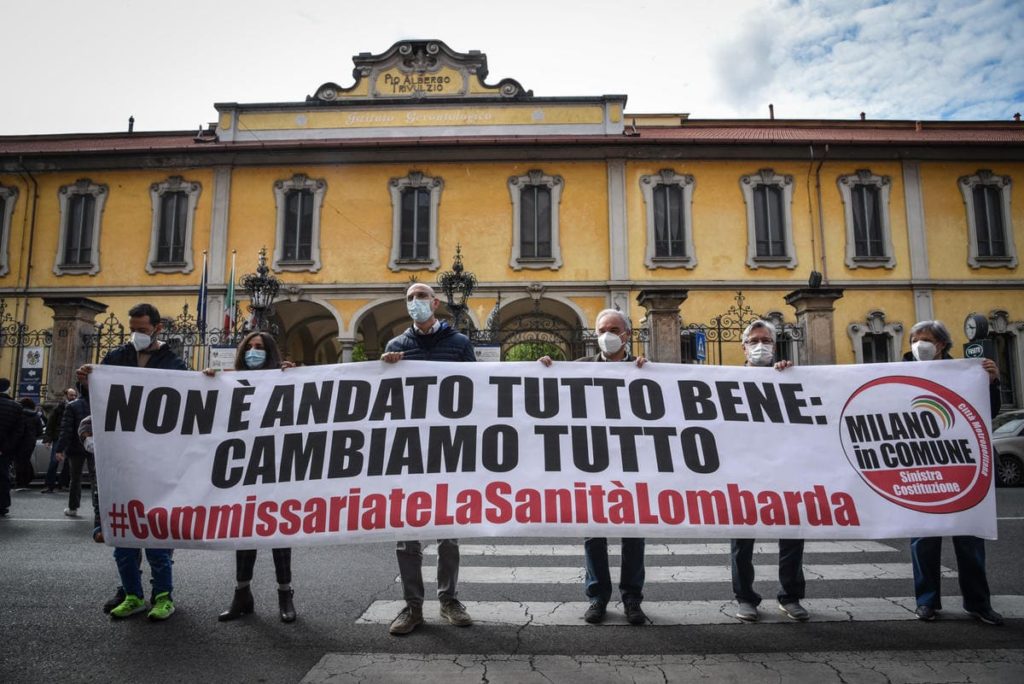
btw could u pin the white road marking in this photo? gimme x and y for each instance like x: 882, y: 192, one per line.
x: 569, y: 613
x: 661, y: 549
x: 683, y: 573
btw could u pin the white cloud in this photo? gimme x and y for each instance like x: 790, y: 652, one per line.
x: 88, y: 66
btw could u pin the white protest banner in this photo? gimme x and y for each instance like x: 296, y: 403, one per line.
x: 421, y: 450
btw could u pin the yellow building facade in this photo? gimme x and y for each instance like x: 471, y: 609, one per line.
x: 560, y: 206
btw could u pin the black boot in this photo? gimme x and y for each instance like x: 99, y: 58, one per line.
x: 284, y: 600
x: 241, y: 604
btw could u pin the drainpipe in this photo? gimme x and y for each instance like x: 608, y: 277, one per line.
x: 29, y: 223
x: 821, y: 214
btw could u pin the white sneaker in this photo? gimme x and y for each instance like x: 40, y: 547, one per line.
x: 71, y: 512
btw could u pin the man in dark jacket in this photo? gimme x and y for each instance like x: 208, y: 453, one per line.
x: 144, y: 351
x: 613, y: 333
x: 69, y: 447
x: 11, y: 427
x: 428, y: 339
x: 51, y: 436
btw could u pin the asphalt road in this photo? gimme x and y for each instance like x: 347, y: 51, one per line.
x: 53, y: 580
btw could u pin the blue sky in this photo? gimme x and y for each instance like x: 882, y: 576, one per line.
x: 86, y: 67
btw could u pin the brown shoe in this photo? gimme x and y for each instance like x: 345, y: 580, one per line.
x: 409, y: 619
x: 454, y: 612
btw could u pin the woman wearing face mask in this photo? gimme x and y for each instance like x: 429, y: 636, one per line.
x: 259, y: 351
x: 930, y: 341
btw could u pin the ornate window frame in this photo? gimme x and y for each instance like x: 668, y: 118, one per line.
x: 515, y: 188
x: 1004, y: 185
x: 99, y: 192
x: 884, y: 185
x: 785, y: 183
x: 157, y: 191
x: 687, y: 183
x: 874, y: 324
x: 415, y: 179
x: 9, y: 196
x: 300, y: 181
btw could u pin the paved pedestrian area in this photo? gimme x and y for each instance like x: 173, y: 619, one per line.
x: 932, y: 667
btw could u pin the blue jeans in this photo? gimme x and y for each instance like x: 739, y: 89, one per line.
x: 129, y: 563
x: 51, y: 472
x: 926, y: 556
x: 599, y: 580
x: 791, y: 571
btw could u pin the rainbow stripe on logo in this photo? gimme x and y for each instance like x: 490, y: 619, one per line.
x: 929, y: 402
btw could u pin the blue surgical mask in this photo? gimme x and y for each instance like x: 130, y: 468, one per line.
x: 254, y: 358
x: 420, y: 310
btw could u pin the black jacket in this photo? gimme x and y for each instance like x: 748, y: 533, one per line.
x: 162, y: 357
x: 32, y: 428
x: 11, y: 426
x: 68, y: 442
x: 994, y: 398
x: 53, y: 424
x: 444, y: 345
x: 598, y: 358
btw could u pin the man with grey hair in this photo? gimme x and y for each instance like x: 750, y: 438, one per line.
x: 759, y: 349
x: 428, y: 339
x: 613, y: 333
x: 931, y: 341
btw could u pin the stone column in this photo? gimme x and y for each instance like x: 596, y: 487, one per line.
x: 73, y: 317
x: 815, y: 309
x: 347, y: 345
x: 663, y: 323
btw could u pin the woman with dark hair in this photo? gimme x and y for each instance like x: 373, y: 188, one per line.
x: 259, y: 351
x: 33, y: 423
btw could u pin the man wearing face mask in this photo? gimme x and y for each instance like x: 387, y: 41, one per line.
x: 143, y: 351
x: 930, y: 341
x: 759, y: 349
x: 613, y: 332
x: 428, y: 339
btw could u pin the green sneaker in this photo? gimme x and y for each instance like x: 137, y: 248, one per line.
x: 163, y: 607
x: 130, y: 606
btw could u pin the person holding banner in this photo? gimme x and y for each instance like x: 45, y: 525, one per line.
x: 758, y: 341
x: 613, y: 332
x: 259, y: 351
x: 428, y: 339
x: 143, y: 351
x: 931, y: 341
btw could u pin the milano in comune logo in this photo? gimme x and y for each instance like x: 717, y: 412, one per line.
x: 933, y: 456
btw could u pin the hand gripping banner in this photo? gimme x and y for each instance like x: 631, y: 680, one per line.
x: 366, y: 452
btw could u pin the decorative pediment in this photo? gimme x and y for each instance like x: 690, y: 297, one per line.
x: 417, y: 70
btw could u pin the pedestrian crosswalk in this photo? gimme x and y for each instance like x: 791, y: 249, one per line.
x: 559, y: 568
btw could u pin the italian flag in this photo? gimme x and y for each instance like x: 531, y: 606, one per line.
x: 229, y: 299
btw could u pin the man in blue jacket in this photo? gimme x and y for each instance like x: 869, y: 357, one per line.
x: 428, y: 339
x: 143, y: 351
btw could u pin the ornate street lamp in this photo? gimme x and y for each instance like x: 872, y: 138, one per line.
x: 262, y: 288
x: 457, y: 285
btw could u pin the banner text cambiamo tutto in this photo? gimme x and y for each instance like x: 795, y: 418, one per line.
x: 365, y: 452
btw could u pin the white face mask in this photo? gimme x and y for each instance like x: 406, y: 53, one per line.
x: 90, y: 445
x: 609, y: 342
x: 420, y: 310
x: 760, y: 354
x: 923, y: 351
x: 141, y: 341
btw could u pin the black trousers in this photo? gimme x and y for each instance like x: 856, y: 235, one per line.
x: 245, y: 561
